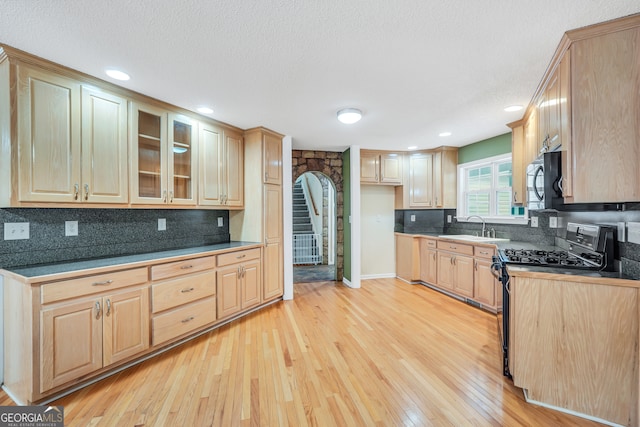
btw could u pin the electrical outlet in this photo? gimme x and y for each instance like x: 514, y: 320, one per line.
x: 449, y: 219
x: 16, y: 230
x: 553, y: 222
x: 162, y: 224
x: 71, y: 228
x: 534, y: 221
x: 220, y: 221
x: 622, y: 232
x: 413, y: 218
x: 633, y: 232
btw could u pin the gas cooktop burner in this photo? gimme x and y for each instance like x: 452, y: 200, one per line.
x: 551, y: 258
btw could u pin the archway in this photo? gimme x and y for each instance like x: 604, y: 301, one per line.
x: 314, y: 228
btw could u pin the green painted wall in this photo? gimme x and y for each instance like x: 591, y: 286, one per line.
x: 346, y: 190
x: 487, y: 148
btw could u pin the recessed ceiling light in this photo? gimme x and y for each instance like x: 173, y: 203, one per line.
x: 511, y: 108
x: 205, y: 110
x: 117, y: 74
x: 413, y: 147
x: 444, y: 134
x: 349, y: 115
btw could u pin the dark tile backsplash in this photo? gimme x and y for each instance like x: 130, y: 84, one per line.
x: 107, y: 232
x: 435, y: 221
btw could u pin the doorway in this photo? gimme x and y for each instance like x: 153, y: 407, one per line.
x: 314, y: 228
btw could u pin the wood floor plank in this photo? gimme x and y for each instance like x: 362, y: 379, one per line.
x: 388, y: 354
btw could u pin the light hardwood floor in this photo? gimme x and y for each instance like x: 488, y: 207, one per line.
x: 388, y: 354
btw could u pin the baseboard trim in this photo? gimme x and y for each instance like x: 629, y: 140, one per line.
x: 378, y: 276
x: 568, y: 411
x: 347, y: 282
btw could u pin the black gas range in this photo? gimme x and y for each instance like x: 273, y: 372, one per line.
x: 590, y: 247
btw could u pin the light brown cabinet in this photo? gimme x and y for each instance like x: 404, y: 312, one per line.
x: 428, y: 260
x: 239, y: 281
x: 84, y: 335
x: 455, y: 268
x: 519, y: 167
x: 221, y: 167
x: 380, y: 167
x: 73, y: 141
x: 163, y: 156
x: 486, y: 287
x: 273, y: 271
x: 272, y: 159
x: 407, y: 257
x: 430, y: 179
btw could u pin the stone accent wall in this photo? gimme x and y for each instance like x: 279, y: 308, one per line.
x: 328, y: 163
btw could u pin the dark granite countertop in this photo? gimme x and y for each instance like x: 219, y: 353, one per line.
x: 33, y: 271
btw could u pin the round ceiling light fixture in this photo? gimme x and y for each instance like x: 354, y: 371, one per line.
x: 511, y: 108
x: 205, y: 110
x: 349, y: 116
x: 117, y: 74
x: 444, y: 134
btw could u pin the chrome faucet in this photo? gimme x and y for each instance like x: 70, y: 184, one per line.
x: 481, y: 219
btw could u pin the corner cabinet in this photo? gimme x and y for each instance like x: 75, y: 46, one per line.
x: 221, y: 167
x: 163, y: 157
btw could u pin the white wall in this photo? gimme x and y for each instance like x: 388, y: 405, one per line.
x: 287, y: 208
x: 377, y: 222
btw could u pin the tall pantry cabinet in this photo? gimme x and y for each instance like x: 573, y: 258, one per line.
x: 261, y: 219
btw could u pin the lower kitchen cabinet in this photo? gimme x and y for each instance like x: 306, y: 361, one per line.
x: 78, y: 337
x: 407, y: 257
x: 428, y: 260
x: 239, y: 281
x: 486, y: 287
x: 455, y: 269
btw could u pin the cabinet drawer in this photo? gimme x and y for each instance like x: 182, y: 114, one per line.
x: 455, y: 247
x: 483, y: 252
x: 182, y: 290
x: 172, y: 269
x: 82, y: 286
x: 239, y: 256
x: 431, y: 243
x: 183, y: 320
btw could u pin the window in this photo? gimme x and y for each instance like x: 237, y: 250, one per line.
x: 484, y: 189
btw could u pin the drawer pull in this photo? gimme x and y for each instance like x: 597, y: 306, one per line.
x: 105, y: 283
x: 188, y: 319
x: 484, y: 253
x: 241, y: 256
x: 184, y: 291
x: 186, y: 267
x: 453, y: 247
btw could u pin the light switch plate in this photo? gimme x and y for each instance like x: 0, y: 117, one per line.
x: 162, y: 224
x: 413, y: 218
x: 71, y: 228
x: 633, y: 232
x: 622, y: 232
x: 449, y: 219
x: 220, y: 221
x: 534, y: 221
x: 553, y: 222
x: 16, y: 230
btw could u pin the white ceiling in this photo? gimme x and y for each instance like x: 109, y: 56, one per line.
x: 415, y: 67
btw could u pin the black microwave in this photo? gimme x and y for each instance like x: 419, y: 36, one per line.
x: 544, y: 182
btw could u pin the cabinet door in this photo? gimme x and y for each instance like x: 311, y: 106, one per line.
x: 233, y: 169
x: 125, y: 325
x: 49, y: 137
x: 428, y: 261
x: 565, y: 124
x: 421, y: 180
x: 228, y: 283
x: 105, y: 169
x: 369, y: 166
x: 70, y: 342
x: 391, y: 168
x: 518, y: 165
x: 438, y: 198
x: 445, y: 270
x: 272, y: 159
x: 251, y: 283
x: 148, y: 155
x: 272, y: 213
x: 485, y: 283
x: 531, y: 137
x: 463, y: 280
x: 273, y: 285
x: 210, y: 188
x: 181, y: 157
x: 553, y: 115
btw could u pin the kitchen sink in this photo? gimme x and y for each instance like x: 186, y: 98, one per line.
x: 470, y: 238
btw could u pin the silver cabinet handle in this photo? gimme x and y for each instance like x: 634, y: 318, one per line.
x: 108, y: 307
x: 98, y: 309
x: 184, y: 291
x: 475, y: 265
x: 241, y: 256
x: 515, y: 196
x: 105, y: 283
x: 76, y: 191
x: 484, y: 253
x: 86, y: 191
x: 188, y: 319
x: 164, y: 196
x: 170, y: 196
x: 186, y: 267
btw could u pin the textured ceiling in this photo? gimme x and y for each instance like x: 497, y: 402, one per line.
x: 415, y: 67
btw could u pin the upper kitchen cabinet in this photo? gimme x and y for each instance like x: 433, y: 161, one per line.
x: 380, y: 168
x: 272, y: 160
x: 430, y: 180
x: 518, y: 162
x: 63, y: 142
x: 163, y: 154
x: 221, y: 167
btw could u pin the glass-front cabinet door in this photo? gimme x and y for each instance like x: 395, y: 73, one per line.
x: 182, y: 160
x: 148, y: 155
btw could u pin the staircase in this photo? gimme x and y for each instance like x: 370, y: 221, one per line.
x: 305, y: 242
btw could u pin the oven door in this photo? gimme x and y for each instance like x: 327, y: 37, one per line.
x: 500, y: 268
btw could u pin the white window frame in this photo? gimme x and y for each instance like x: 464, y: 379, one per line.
x: 489, y: 161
